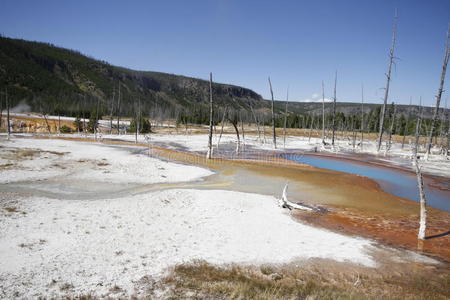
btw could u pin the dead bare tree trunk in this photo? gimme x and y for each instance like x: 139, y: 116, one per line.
x: 264, y: 128
x: 7, y: 114
x: 311, y: 124
x: 441, y: 127
x: 223, y: 122
x: 242, y: 130
x: 256, y: 122
x: 138, y: 120
x: 112, y: 111
x: 323, y: 113
x: 439, y: 95
x: 273, y: 117
x: 388, y: 81
x: 209, y: 153
x: 334, y: 110
x: 44, y: 115
x: 423, y: 200
x: 1, y: 110
x: 96, y: 123
x: 238, y: 146
x: 84, y: 115
x: 417, y: 133
x: 362, y: 116
x: 285, y: 118
x: 59, y: 122
x: 388, y: 147
x: 443, y: 134
x: 354, y: 133
x: 448, y: 142
x: 118, y: 112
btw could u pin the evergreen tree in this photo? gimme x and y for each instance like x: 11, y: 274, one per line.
x: 93, y: 121
x: 144, y: 125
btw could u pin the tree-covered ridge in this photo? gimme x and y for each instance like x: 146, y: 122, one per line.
x: 51, y: 78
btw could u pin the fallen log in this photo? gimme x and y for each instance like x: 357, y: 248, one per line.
x: 285, y: 203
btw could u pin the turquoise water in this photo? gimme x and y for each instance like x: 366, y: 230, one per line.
x: 392, y: 181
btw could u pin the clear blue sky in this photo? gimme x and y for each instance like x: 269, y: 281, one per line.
x: 297, y: 43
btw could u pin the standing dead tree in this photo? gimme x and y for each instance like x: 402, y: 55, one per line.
x: 44, y: 115
x: 439, y: 95
x: 112, y: 111
x: 7, y: 114
x: 353, y: 127
x: 311, y: 126
x: 362, y: 117
x: 334, y: 111
x: 447, y: 144
x: 222, y: 125
x: 417, y: 133
x: 388, y: 144
x: 96, y: 122
x: 264, y: 127
x: 1, y: 110
x: 445, y: 119
x: 242, y: 129
x: 323, y: 114
x: 209, y: 153
x: 138, y: 120
x: 84, y: 114
x: 233, y: 119
x: 285, y: 117
x: 118, y: 112
x: 256, y: 122
x: 59, y: 118
x: 274, y: 135
x: 423, y: 199
x: 388, y: 82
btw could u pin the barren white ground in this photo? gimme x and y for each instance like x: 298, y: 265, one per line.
x: 55, y: 246
x: 436, y: 164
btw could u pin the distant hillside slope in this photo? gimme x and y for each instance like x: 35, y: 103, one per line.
x: 44, y: 78
x: 42, y: 75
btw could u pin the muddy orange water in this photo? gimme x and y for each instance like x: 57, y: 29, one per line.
x: 358, y: 205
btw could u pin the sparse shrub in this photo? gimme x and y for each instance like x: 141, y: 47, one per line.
x: 78, y: 124
x: 93, y: 120
x: 65, y: 129
x: 144, y: 125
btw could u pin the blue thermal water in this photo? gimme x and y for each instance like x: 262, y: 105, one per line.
x: 392, y: 181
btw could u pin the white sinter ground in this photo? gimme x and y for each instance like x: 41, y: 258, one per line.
x: 109, y: 242
x: 436, y: 165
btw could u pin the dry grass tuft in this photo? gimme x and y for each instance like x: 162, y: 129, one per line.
x: 11, y: 209
x: 326, y: 280
x: 6, y: 166
x: 202, y: 280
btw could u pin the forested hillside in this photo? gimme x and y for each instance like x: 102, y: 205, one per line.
x: 49, y: 78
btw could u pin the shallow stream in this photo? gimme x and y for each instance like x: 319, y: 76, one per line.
x: 393, y: 181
